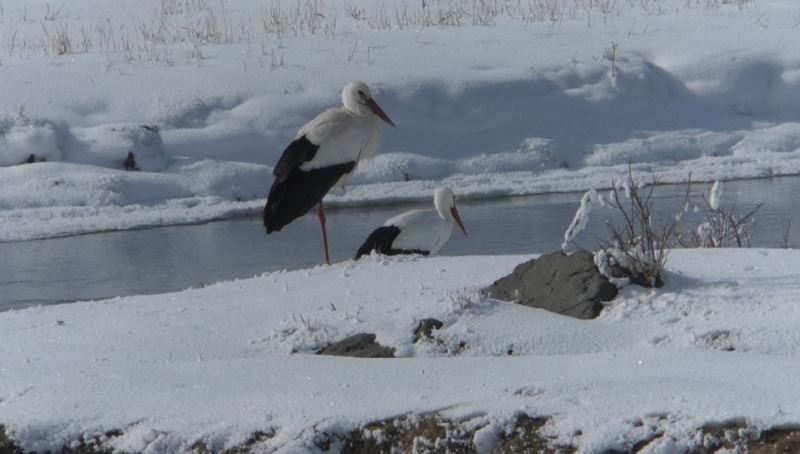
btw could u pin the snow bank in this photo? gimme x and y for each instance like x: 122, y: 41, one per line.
x: 513, y: 100
x: 66, y: 199
x: 23, y: 139
x: 109, y: 145
x: 718, y: 342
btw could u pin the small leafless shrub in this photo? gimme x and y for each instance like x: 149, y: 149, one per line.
x: 638, y: 250
x: 196, y: 51
x: 305, y: 322
x: 58, y: 38
x: 12, y: 43
x: 356, y: 12
x: 381, y: 20
x: 484, y: 12
x: 610, y: 54
x: 86, y: 43
x: 463, y: 301
x: 274, y: 60
x: 305, y: 18
x: 454, y: 16
x: 52, y: 15
x: 721, y: 226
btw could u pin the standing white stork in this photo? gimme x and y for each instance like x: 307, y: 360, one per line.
x: 417, y: 231
x: 324, y: 153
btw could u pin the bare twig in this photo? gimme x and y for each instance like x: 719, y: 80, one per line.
x: 721, y: 226
x: 786, y: 229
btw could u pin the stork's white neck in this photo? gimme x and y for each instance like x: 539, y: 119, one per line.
x: 444, y: 200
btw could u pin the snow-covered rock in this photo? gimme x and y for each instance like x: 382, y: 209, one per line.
x: 569, y: 285
x: 109, y: 145
x: 23, y: 138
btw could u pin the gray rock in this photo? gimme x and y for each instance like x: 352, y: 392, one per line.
x: 565, y: 284
x: 361, y: 345
x: 425, y: 328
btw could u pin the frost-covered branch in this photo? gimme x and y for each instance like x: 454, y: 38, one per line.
x: 581, y: 218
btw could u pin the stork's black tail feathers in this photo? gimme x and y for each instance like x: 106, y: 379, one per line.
x: 299, y: 192
x: 381, y: 240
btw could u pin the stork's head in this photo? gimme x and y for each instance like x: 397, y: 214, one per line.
x: 357, y: 98
x: 444, y: 200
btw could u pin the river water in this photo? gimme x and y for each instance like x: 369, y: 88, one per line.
x: 109, y: 264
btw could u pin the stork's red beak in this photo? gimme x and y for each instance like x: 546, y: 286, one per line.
x: 454, y: 211
x: 376, y: 109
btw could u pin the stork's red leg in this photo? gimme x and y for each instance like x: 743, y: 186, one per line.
x: 324, y: 233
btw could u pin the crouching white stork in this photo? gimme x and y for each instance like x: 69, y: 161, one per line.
x: 417, y: 231
x: 324, y: 153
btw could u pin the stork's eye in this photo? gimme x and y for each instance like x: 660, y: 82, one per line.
x: 362, y: 95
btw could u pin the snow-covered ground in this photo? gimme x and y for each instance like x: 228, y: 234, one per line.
x: 493, y: 96
x: 718, y: 343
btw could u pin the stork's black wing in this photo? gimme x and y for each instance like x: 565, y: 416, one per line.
x: 295, y: 191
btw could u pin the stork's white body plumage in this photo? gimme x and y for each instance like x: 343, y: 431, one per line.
x: 417, y: 231
x: 421, y: 230
x: 325, y: 152
x: 341, y: 137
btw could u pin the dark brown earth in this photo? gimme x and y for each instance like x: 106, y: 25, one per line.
x: 434, y: 434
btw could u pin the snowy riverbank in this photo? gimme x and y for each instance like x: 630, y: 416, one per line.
x: 493, y: 98
x: 717, y: 344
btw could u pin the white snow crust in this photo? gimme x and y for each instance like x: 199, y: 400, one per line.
x: 718, y: 343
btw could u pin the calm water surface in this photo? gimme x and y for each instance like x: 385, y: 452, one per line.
x: 109, y: 264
